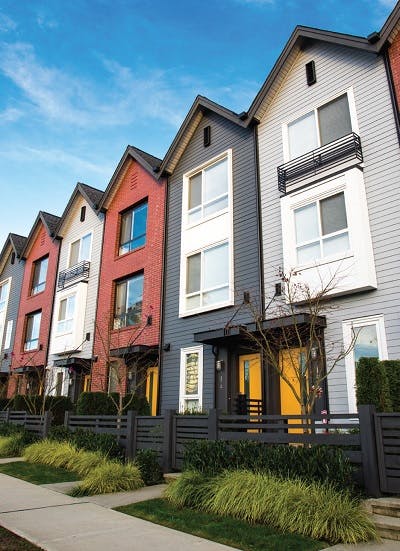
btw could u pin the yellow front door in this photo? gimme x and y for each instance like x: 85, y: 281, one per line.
x: 250, y: 377
x: 291, y: 364
x: 152, y: 389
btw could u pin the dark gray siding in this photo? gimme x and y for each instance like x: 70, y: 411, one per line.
x: 179, y: 331
x: 16, y: 272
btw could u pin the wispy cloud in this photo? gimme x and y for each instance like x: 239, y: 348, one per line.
x: 387, y: 3
x: 45, y: 22
x: 10, y: 115
x: 6, y: 23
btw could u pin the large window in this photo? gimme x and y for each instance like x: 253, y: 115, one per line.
x: 128, y: 302
x: 133, y: 229
x: 207, y: 277
x: 32, y: 331
x: 369, y: 341
x: 321, y: 229
x: 319, y: 127
x: 207, y: 191
x: 191, y: 379
x: 39, y: 275
x: 66, y: 312
x: 4, y: 292
x: 80, y: 250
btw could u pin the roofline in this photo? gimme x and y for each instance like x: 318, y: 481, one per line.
x: 78, y: 189
x: 203, y: 104
x: 388, y: 26
x: 39, y: 217
x: 129, y: 152
x: 300, y: 34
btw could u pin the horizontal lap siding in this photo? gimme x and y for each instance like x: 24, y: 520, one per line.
x: 338, y: 68
x: 179, y: 331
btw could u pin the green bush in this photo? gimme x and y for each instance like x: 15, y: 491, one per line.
x: 60, y: 433
x: 132, y: 402
x: 100, y: 403
x: 109, y: 477
x: 319, y: 463
x: 392, y: 368
x: 149, y: 467
x: 6, y: 429
x: 372, y: 385
x: 14, y: 445
x: 58, y: 405
x: 88, y: 440
x: 316, y: 510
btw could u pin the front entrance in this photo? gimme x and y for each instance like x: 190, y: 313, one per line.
x: 152, y: 389
x: 250, y: 382
x: 292, y: 362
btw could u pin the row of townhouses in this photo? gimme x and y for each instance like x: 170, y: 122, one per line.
x: 168, y: 272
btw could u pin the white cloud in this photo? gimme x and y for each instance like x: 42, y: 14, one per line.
x: 10, y: 115
x: 6, y: 23
x: 387, y: 3
x: 45, y: 22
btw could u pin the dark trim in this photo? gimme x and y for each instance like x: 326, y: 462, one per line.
x: 388, y: 26
x: 26, y: 369
x: 393, y: 98
x: 75, y: 363
x: 79, y: 188
x: 163, y: 294
x: 40, y: 218
x: 133, y: 350
x: 259, y: 220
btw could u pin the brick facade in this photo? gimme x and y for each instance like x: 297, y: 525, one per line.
x: 394, y: 59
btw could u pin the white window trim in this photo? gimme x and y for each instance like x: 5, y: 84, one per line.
x: 3, y: 314
x: 182, y: 377
x: 379, y: 322
x: 80, y: 245
x: 60, y: 333
x: 305, y: 111
x: 9, y: 330
x: 185, y: 196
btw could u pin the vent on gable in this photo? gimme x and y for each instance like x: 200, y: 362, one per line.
x: 207, y: 136
x: 310, y: 73
x: 13, y: 257
x: 83, y: 213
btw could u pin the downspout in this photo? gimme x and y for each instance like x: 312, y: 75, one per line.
x: 259, y: 221
x: 392, y: 91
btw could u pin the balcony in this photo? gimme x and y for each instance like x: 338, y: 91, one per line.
x: 79, y: 272
x: 326, y: 157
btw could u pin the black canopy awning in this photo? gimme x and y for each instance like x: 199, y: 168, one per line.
x: 74, y: 363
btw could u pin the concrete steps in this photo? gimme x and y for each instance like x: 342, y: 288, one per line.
x: 386, y: 515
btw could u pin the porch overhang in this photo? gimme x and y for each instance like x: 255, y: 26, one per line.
x: 74, y: 363
x: 26, y: 369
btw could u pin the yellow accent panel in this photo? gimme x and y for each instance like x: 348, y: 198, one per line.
x: 289, y: 360
x: 250, y: 365
x: 152, y: 389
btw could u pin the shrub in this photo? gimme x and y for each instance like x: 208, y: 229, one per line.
x: 60, y: 433
x: 319, y: 463
x: 14, y: 439
x: 95, y: 403
x: 58, y: 405
x: 48, y: 452
x: 132, y: 402
x: 83, y: 462
x: 372, y: 385
x: 109, y: 477
x: 316, y: 510
x: 105, y: 443
x: 392, y: 368
x: 147, y: 462
x: 5, y: 403
x: 6, y: 429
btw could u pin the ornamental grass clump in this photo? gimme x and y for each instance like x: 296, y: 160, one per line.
x: 10, y: 445
x: 48, y: 452
x: 316, y: 510
x: 83, y: 462
x: 110, y: 477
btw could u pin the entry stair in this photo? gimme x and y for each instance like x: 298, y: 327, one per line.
x: 386, y: 516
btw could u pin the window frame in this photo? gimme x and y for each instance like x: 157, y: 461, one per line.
x: 142, y: 203
x: 117, y: 316
x: 378, y: 320
x: 314, y: 109
x: 69, y: 265
x: 3, y: 312
x: 58, y: 321
x: 36, y: 264
x: 26, y: 341
x: 182, y: 377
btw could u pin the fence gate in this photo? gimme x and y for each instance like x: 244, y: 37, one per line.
x: 387, y: 429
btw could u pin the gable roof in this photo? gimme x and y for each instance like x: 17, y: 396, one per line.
x: 388, y: 27
x: 150, y: 163
x: 300, y: 36
x: 92, y: 195
x: 50, y: 223
x: 13, y: 241
x: 200, y: 106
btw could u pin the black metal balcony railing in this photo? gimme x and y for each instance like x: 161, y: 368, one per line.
x: 328, y: 156
x: 78, y: 272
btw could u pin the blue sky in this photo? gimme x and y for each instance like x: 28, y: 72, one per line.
x: 80, y: 80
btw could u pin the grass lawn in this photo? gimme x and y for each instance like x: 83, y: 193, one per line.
x: 229, y: 531
x: 11, y: 542
x: 36, y: 473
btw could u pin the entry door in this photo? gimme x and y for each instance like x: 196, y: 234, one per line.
x: 291, y: 361
x: 152, y: 389
x: 250, y: 380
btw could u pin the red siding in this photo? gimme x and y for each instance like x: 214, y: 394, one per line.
x: 136, y: 185
x: 394, y: 57
x: 42, y: 245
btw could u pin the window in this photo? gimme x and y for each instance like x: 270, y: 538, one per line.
x: 321, y: 229
x: 66, y: 311
x: 80, y: 250
x: 207, y: 191
x: 321, y: 126
x: 207, y: 277
x: 4, y: 290
x: 133, y: 229
x: 32, y: 331
x: 7, y: 341
x: 59, y: 383
x: 39, y: 275
x: 191, y: 379
x: 370, y: 342
x: 128, y: 302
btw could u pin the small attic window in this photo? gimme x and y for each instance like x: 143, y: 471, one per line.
x: 13, y: 257
x: 83, y: 213
x: 207, y: 136
x: 310, y: 73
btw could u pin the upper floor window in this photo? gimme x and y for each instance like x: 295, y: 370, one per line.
x: 133, y: 229
x: 128, y: 302
x: 66, y: 311
x: 207, y: 191
x: 321, y: 229
x: 32, y: 331
x: 80, y: 250
x: 323, y: 125
x: 39, y: 275
x: 4, y: 287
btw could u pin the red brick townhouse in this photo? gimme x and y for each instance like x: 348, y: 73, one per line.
x: 35, y: 309
x: 128, y: 308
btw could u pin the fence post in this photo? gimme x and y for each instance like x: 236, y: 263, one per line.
x: 46, y: 423
x: 368, y: 450
x: 213, y: 415
x: 66, y: 419
x: 7, y: 419
x: 130, y: 450
x: 168, y: 436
